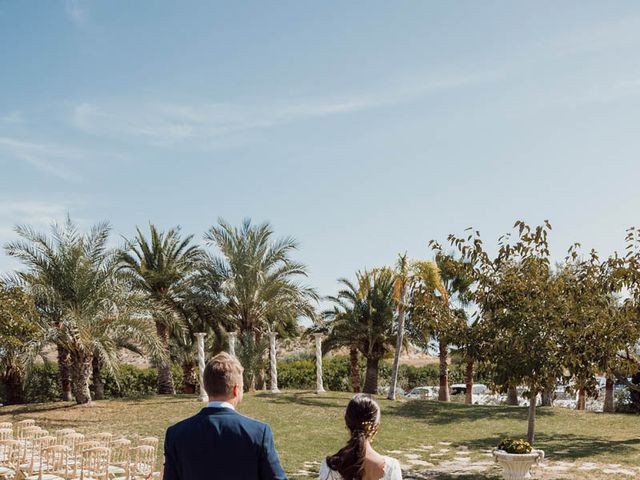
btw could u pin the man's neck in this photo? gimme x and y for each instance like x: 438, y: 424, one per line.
x: 223, y: 402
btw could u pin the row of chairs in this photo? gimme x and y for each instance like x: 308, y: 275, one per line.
x: 29, y: 452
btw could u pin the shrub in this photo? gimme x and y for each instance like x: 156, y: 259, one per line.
x: 131, y: 382
x: 42, y: 383
x: 519, y: 446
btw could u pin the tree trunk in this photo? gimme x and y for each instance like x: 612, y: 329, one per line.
x: 13, y: 382
x: 80, y: 374
x: 609, y: 404
x: 165, y: 377
x: 189, y: 377
x: 443, y: 393
x: 64, y: 367
x: 98, y: 382
x: 547, y: 398
x: 582, y: 400
x: 396, y: 357
x: 371, y: 377
x: 512, y: 395
x: 260, y: 382
x: 355, y: 372
x: 468, y: 378
x: 531, y: 424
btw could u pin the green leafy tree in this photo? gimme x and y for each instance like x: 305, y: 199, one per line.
x: 160, y: 266
x: 363, y: 318
x: 521, y: 302
x: 18, y: 332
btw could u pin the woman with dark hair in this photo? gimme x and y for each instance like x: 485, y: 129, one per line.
x: 358, y: 460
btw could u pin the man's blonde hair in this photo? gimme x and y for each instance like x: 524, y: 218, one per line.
x: 221, y: 374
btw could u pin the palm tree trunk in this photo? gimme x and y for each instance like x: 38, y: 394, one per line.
x: 609, y: 404
x: 81, y: 367
x: 443, y: 393
x: 547, y: 398
x: 512, y: 395
x: 64, y: 367
x: 396, y: 358
x: 582, y: 400
x: 13, y: 382
x: 531, y: 424
x: 189, y: 377
x: 355, y: 372
x: 165, y: 377
x: 468, y: 377
x: 98, y: 382
x: 371, y: 377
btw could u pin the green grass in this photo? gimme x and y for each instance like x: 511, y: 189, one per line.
x: 307, y: 427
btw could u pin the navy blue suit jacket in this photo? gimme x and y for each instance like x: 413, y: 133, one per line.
x: 220, y: 444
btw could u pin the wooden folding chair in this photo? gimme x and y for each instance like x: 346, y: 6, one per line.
x: 54, y: 464
x: 95, y: 464
x: 6, y: 434
x: 10, y: 455
x: 120, y: 457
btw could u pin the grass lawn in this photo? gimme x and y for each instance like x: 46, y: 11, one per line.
x: 427, y: 436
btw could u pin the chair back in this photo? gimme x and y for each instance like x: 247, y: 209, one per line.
x: 60, y: 434
x: 10, y: 453
x: 103, y: 438
x: 22, y: 424
x: 34, y: 449
x: 95, y: 464
x: 6, y: 433
x: 54, y: 460
x: 143, y: 460
x: 6, y: 425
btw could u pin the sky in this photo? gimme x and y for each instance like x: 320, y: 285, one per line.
x: 362, y: 129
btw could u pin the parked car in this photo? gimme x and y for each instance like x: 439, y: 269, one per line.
x: 385, y: 391
x: 423, y: 392
x: 461, y: 388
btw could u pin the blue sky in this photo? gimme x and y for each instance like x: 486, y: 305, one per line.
x: 363, y: 129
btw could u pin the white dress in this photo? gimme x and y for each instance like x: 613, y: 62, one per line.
x: 391, y: 471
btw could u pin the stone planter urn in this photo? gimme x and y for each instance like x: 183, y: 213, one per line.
x: 517, y: 465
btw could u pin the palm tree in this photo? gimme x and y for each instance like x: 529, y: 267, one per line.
x: 363, y: 317
x: 431, y: 315
x: 400, y: 294
x: 200, y: 306
x: 160, y: 266
x: 74, y: 275
x: 259, y: 281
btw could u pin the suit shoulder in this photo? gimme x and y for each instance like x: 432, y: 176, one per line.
x: 181, y: 425
x: 253, y: 423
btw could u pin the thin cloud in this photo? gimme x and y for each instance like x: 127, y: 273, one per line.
x: 77, y: 11
x: 14, y: 117
x: 166, y: 124
x: 48, y: 158
x: 616, y: 34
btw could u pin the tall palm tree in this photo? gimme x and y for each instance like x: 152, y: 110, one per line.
x: 431, y: 317
x: 363, y: 317
x: 160, y: 266
x: 74, y: 276
x: 400, y: 295
x: 259, y: 281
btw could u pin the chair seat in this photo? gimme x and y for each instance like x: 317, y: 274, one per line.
x: 6, y: 471
x: 116, y: 470
x: 45, y: 476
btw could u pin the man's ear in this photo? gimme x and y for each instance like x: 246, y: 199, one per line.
x: 236, y: 391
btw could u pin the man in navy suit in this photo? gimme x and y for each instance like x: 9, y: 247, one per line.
x: 218, y: 443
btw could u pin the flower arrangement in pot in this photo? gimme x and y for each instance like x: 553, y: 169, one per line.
x: 517, y: 457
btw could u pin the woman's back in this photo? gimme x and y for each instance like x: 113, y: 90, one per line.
x: 382, y: 468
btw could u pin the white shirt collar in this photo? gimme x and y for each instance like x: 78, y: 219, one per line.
x: 217, y: 404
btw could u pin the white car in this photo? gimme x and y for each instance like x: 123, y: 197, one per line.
x: 423, y: 392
